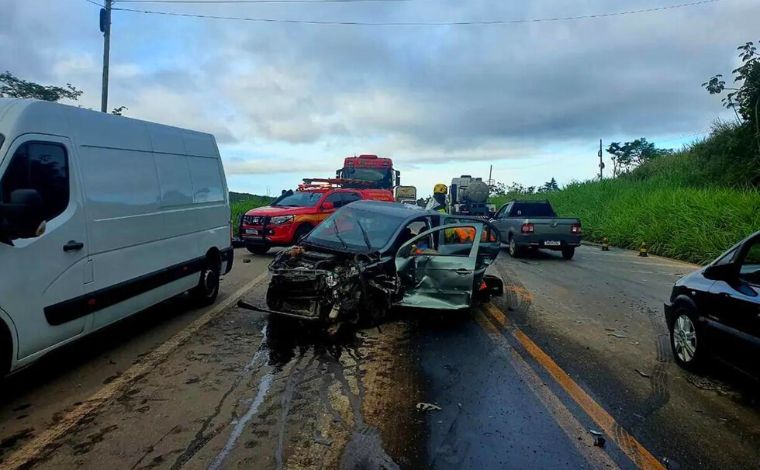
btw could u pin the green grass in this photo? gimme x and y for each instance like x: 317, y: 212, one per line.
x: 242, y: 202
x: 691, y: 206
x: 691, y: 224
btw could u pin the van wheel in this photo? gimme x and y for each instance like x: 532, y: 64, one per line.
x: 257, y: 249
x: 568, y: 252
x: 207, y: 290
x: 6, y: 350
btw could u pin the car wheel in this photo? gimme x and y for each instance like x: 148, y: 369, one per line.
x: 257, y: 249
x: 514, y: 250
x: 568, y: 252
x: 301, y: 232
x: 687, y: 339
x: 207, y: 290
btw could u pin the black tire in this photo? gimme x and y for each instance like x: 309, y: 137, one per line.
x: 514, y: 250
x: 207, y: 290
x: 568, y: 252
x: 301, y: 232
x: 693, y: 357
x: 257, y: 249
x: 6, y: 350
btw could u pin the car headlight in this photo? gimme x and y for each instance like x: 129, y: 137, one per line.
x: 282, y: 219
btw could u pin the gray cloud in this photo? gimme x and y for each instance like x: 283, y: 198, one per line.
x: 428, y: 95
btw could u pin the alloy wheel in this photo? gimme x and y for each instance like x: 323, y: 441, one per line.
x: 685, y: 338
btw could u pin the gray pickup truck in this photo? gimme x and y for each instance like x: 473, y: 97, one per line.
x: 533, y: 224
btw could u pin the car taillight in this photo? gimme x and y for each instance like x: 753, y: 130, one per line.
x: 576, y: 228
x: 527, y: 228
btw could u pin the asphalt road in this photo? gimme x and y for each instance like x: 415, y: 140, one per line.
x: 572, y: 347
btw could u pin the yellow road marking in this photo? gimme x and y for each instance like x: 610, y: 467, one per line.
x: 567, y: 422
x: 34, y: 449
x: 627, y: 443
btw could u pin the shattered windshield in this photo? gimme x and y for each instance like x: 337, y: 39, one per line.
x: 298, y: 199
x: 354, y: 229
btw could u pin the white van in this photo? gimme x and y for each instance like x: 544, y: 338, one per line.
x: 101, y: 216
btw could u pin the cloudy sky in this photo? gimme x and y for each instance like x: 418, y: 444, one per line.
x: 289, y: 100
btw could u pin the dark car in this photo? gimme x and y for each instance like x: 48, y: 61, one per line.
x: 717, y: 308
x: 370, y: 256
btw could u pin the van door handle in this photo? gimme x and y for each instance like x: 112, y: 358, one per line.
x: 463, y: 271
x: 73, y: 246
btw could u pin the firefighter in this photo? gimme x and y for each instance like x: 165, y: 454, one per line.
x: 438, y: 201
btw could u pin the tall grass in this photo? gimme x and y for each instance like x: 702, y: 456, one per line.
x: 691, y: 224
x: 241, y: 203
x: 691, y: 206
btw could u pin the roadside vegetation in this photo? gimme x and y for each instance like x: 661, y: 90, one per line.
x: 241, y: 203
x: 691, y: 204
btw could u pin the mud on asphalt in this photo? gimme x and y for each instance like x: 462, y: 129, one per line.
x: 247, y: 392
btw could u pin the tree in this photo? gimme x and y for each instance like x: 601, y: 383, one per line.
x: 632, y: 154
x: 14, y: 87
x: 119, y: 111
x: 744, y: 100
x: 549, y: 186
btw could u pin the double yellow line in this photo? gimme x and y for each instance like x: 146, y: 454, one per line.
x: 638, y: 454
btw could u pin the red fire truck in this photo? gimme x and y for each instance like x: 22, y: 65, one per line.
x: 369, y: 171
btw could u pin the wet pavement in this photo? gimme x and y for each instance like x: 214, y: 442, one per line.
x: 572, y: 347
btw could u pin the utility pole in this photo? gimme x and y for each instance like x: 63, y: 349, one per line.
x: 105, y: 28
x: 601, y: 162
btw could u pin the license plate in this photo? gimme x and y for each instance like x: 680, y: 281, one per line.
x: 251, y: 231
x: 552, y: 243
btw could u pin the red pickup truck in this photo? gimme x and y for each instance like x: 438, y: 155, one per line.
x: 295, y: 213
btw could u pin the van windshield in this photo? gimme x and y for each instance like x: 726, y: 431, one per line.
x: 297, y: 199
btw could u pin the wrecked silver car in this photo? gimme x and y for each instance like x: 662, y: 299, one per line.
x: 370, y: 256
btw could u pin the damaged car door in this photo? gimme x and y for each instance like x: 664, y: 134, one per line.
x: 436, y: 269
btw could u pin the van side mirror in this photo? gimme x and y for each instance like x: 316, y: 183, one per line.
x: 328, y: 206
x: 23, y: 213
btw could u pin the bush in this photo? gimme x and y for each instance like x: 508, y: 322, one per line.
x: 242, y: 203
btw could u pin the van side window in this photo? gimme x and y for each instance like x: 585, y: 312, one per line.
x: 41, y: 166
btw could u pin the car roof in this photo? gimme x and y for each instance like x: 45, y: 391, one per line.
x: 394, y: 209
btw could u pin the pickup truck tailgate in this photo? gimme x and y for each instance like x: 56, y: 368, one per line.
x: 552, y: 226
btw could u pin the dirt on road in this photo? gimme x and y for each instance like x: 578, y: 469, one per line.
x: 246, y: 392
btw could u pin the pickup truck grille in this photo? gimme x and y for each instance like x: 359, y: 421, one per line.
x: 255, y: 220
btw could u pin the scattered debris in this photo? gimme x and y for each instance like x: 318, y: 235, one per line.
x: 599, y: 439
x: 609, y: 329
x: 642, y: 373
x: 617, y: 335
x: 422, y: 406
x: 670, y: 464
x: 323, y: 441
x: 246, y: 260
x: 635, y: 343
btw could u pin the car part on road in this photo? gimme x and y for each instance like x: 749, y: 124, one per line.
x: 599, y: 439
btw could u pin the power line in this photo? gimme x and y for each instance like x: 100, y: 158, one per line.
x: 224, y: 2
x: 95, y: 3
x: 420, y: 23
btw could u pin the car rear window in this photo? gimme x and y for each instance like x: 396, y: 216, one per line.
x: 537, y: 209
